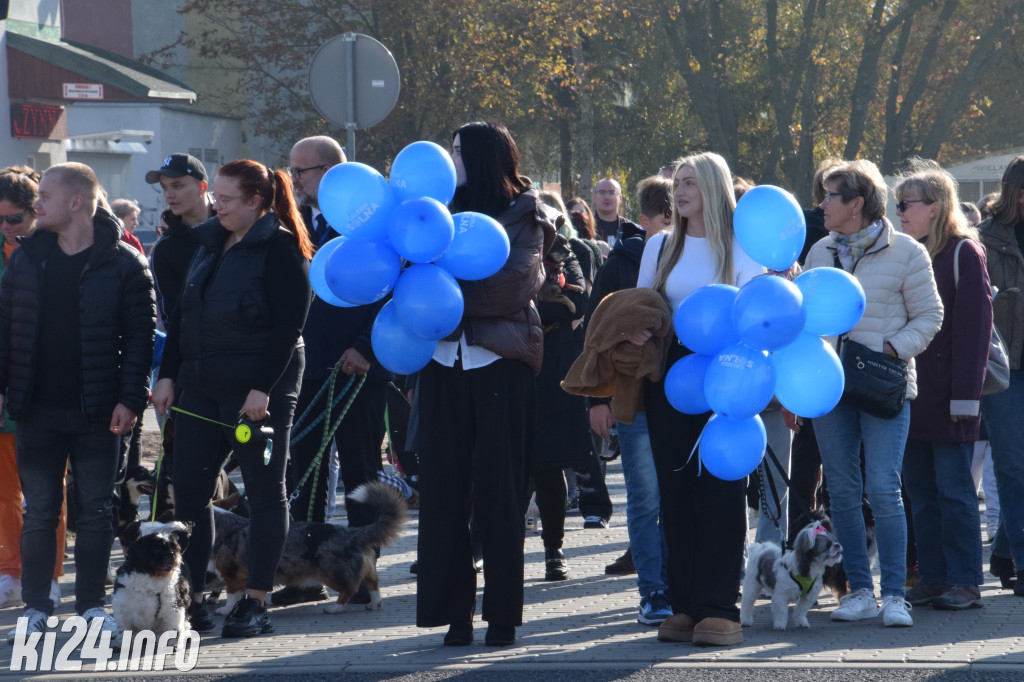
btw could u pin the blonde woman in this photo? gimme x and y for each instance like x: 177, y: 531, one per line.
x: 946, y: 415
x: 902, y: 314
x: 704, y: 517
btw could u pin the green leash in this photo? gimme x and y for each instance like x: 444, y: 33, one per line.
x: 205, y: 419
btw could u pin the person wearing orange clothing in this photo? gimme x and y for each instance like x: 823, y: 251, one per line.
x: 18, y: 187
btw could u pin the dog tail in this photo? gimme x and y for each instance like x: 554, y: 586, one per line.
x: 391, y: 512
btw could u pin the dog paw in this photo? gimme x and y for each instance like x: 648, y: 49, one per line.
x: 780, y: 628
x: 223, y: 611
x: 746, y: 622
x: 802, y: 623
x: 334, y: 607
x: 376, y: 603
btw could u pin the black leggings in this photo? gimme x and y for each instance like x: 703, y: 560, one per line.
x: 199, y: 455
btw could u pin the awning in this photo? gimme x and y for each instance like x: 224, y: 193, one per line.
x: 101, y: 65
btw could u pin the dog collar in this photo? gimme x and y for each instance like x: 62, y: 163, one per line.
x: 805, y: 582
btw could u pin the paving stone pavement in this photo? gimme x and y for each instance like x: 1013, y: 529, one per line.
x: 588, y: 621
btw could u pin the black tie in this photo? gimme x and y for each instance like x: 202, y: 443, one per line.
x: 321, y: 229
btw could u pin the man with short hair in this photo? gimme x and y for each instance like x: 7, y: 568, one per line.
x: 607, y: 202
x: 183, y: 180
x: 77, y: 317
x: 333, y: 335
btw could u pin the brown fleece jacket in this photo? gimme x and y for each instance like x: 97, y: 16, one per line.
x: 609, y: 364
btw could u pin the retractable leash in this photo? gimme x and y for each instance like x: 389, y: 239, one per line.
x: 243, y: 430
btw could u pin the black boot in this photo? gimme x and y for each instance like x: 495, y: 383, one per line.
x: 621, y: 566
x: 248, y: 619
x: 1018, y: 589
x: 554, y: 565
x: 459, y: 634
x: 501, y: 635
x: 1003, y: 568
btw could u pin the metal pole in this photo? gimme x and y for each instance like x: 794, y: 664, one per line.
x: 350, y: 89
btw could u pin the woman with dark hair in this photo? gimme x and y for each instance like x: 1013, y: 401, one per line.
x: 477, y: 409
x: 1001, y: 411
x: 234, y: 344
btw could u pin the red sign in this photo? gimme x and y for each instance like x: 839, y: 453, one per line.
x: 37, y: 121
x: 83, y: 91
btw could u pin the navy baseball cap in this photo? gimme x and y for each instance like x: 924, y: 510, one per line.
x: 178, y: 166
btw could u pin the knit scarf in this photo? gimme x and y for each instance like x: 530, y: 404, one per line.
x: 851, y: 247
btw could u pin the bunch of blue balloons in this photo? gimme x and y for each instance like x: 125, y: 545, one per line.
x: 398, y: 236
x: 761, y: 340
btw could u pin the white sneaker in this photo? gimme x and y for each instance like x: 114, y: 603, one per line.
x: 896, y: 612
x: 36, y: 623
x: 109, y: 624
x: 55, y: 593
x: 856, y: 606
x: 10, y: 591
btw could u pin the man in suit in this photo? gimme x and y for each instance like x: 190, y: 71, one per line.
x: 333, y: 335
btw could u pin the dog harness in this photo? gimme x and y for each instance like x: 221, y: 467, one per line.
x: 805, y: 582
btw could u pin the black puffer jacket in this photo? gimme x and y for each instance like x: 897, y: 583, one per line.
x: 117, y: 318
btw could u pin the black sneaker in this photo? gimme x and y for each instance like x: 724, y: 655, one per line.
x: 287, y: 596
x: 199, y: 617
x: 248, y: 619
x: 595, y: 522
x: 500, y: 635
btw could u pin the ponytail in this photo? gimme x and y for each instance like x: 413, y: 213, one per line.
x: 288, y: 212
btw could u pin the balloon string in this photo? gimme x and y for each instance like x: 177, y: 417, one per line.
x: 695, y: 446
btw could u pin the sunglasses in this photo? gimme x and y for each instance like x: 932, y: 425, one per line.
x: 16, y: 219
x: 902, y: 204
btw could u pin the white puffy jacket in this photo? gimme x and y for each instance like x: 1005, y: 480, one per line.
x: 903, y: 304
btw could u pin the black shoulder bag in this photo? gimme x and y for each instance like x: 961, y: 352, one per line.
x: 876, y: 383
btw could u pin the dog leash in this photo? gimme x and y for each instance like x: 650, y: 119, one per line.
x: 159, y: 465
x: 332, y: 403
x: 800, y: 501
x: 328, y: 434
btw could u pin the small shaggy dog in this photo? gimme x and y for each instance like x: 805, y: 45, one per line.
x: 328, y: 554
x: 150, y: 591
x: 795, y: 575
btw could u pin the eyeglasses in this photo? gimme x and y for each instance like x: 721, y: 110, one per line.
x: 901, y: 205
x: 221, y: 199
x: 297, y: 172
x: 606, y: 193
x: 15, y: 219
x: 829, y: 195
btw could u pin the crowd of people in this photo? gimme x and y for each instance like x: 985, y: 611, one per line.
x: 490, y: 425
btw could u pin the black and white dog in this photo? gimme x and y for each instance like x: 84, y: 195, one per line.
x: 150, y: 591
x: 793, y: 576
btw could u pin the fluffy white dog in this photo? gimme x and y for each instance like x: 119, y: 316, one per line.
x: 793, y: 576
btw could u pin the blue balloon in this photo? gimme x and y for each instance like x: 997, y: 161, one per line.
x: 740, y: 381
x: 731, y: 449
x: 396, y: 348
x: 834, y: 300
x: 479, y: 249
x: 770, y: 226
x: 362, y: 271
x: 428, y: 301
x: 684, y: 384
x: 768, y: 312
x: 421, y: 229
x: 318, y: 274
x: 356, y: 200
x: 423, y: 169
x: 703, y: 321
x: 809, y: 379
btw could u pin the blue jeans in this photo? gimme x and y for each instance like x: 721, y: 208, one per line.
x: 944, y: 504
x: 772, y: 525
x: 1002, y: 413
x: 839, y: 434
x: 45, y: 442
x: 643, y: 507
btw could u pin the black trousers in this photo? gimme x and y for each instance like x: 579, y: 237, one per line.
x: 476, y: 428
x: 199, y: 454
x: 358, y: 438
x: 704, y: 517
x: 552, y: 495
x: 805, y: 470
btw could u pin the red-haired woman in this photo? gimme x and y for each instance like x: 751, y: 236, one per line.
x: 234, y: 345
